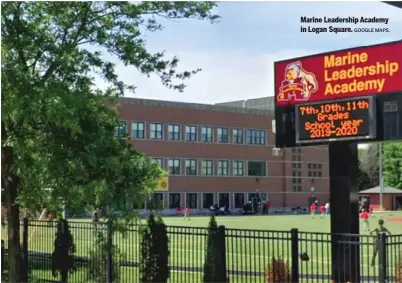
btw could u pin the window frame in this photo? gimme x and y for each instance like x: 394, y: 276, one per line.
x: 173, y: 172
x: 207, y: 138
x: 156, y: 131
x: 196, y: 166
x: 233, y: 168
x: 235, y: 138
x: 189, y: 134
x: 219, y: 136
x: 211, y: 169
x: 173, y: 135
x: 172, y: 203
x: 134, y: 132
x: 190, y: 201
x: 218, y: 167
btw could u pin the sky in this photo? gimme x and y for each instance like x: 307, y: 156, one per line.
x: 237, y: 54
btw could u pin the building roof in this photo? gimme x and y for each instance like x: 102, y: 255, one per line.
x: 199, y: 106
x: 376, y: 190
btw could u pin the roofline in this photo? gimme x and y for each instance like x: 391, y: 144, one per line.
x: 198, y: 106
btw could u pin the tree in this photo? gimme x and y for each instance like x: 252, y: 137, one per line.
x: 392, y: 164
x: 58, y: 148
x: 368, y: 165
x: 154, y: 259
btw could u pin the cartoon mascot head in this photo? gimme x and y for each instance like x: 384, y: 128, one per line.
x: 294, y: 71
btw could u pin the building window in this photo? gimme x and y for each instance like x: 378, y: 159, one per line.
x: 238, y: 200
x: 297, y: 188
x: 237, y: 136
x: 191, y: 200
x: 159, y: 161
x: 174, y: 166
x: 138, y: 130
x: 223, y: 199
x: 238, y: 168
x: 156, y: 201
x: 223, y: 135
x: 191, y: 167
x: 121, y: 129
x: 207, y: 167
x: 191, y: 133
x: 174, y: 200
x: 207, y: 200
x: 223, y: 168
x: 256, y: 137
x: 206, y: 134
x: 156, y: 131
x: 174, y: 132
x: 257, y: 168
x: 314, y: 170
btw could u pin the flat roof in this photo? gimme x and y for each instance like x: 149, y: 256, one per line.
x: 198, y: 106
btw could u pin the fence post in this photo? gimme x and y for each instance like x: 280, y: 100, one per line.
x: 222, y: 252
x: 109, y: 267
x: 295, y: 254
x: 382, y: 256
x: 25, y: 250
x: 2, y: 256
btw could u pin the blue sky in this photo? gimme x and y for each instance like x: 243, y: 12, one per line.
x: 237, y: 54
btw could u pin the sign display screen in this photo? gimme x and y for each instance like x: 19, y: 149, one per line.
x: 337, y: 120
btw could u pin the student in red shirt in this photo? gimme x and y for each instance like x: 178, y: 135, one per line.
x: 365, y: 216
x: 313, y: 208
x: 322, y: 210
x: 186, y: 213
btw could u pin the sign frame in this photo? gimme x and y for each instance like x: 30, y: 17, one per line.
x: 372, y: 122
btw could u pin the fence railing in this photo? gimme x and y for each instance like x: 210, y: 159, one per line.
x: 249, y: 254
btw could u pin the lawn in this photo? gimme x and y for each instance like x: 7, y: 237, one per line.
x: 249, y: 247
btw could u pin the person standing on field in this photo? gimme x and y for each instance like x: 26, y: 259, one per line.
x: 365, y: 217
x: 376, y: 232
x: 327, y: 208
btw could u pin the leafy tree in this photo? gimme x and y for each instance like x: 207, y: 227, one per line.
x: 58, y: 148
x: 213, y: 266
x: 154, y: 259
x: 368, y: 165
x: 392, y: 164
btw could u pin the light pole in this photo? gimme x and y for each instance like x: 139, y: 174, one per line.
x: 380, y: 174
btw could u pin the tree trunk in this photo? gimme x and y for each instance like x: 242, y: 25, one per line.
x: 10, y: 186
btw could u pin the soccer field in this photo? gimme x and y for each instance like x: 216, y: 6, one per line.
x: 249, y: 247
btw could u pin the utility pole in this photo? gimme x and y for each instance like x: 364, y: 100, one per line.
x: 380, y: 174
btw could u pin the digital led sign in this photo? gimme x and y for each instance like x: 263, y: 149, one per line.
x: 356, y: 72
x: 337, y: 120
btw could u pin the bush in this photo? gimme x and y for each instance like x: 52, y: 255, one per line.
x: 97, y: 268
x: 214, y: 268
x: 154, y: 259
x: 278, y: 271
x: 64, y: 249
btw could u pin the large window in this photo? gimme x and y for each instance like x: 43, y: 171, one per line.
x: 159, y: 161
x: 207, y: 200
x: 239, y: 200
x: 256, y: 137
x: 314, y: 170
x: 174, y: 200
x: 156, y: 131
x: 138, y: 130
x: 191, y: 133
x: 174, y: 166
x: 223, y: 199
x: 207, y: 167
x: 237, y: 136
x: 174, y: 132
x: 156, y: 202
x: 223, y: 135
x: 257, y: 168
x: 191, y: 166
x: 238, y: 168
x: 223, y: 167
x: 206, y: 134
x: 121, y: 129
x: 191, y: 200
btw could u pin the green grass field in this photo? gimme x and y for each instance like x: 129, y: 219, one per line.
x: 249, y: 247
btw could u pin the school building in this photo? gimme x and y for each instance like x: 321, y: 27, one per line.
x: 223, y: 154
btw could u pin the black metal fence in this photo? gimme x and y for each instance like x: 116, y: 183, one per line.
x: 251, y: 255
